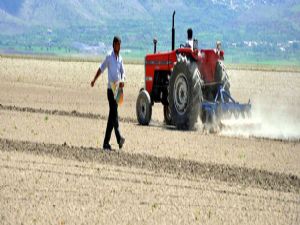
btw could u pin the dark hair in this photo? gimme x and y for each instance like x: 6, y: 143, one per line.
x: 190, y: 33
x: 116, y: 39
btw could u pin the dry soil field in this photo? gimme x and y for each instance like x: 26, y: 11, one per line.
x: 53, y: 170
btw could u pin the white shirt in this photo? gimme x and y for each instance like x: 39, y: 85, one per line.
x: 115, y: 67
x: 190, y: 43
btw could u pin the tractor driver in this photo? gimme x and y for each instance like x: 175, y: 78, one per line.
x: 189, y: 42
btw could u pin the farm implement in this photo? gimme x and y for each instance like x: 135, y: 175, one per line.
x: 223, y: 107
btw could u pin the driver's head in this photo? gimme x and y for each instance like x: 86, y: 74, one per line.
x: 218, y: 45
x: 190, y: 34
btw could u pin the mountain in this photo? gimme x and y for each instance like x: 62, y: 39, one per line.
x: 27, y: 24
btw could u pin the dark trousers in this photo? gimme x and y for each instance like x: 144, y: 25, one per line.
x: 112, y: 118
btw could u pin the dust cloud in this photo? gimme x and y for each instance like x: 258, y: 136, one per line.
x: 268, y: 120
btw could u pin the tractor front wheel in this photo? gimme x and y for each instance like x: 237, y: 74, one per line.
x: 143, y: 108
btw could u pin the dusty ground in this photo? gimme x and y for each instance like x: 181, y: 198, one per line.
x: 53, y: 170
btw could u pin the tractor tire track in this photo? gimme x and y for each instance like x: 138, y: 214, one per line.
x: 73, y: 113
x: 183, y: 168
x: 77, y: 114
x: 67, y: 170
x: 251, y: 198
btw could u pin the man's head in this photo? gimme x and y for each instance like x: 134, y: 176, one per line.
x: 117, y: 44
x: 190, y: 34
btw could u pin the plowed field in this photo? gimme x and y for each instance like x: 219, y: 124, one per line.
x: 53, y: 170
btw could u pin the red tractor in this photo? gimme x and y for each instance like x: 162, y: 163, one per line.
x: 188, y: 82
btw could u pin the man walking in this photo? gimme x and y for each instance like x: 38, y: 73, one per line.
x: 116, y: 74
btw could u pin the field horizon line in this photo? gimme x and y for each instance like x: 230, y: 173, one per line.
x: 140, y: 61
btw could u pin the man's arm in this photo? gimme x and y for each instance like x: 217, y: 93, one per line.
x: 99, y: 71
x: 96, y: 77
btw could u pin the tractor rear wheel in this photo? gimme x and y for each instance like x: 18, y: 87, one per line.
x: 185, y: 94
x: 143, y: 108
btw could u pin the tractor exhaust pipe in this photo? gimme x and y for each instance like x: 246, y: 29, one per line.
x: 173, y: 32
x: 154, y: 43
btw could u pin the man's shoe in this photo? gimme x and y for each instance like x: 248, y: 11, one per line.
x: 121, y: 143
x: 107, y: 147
